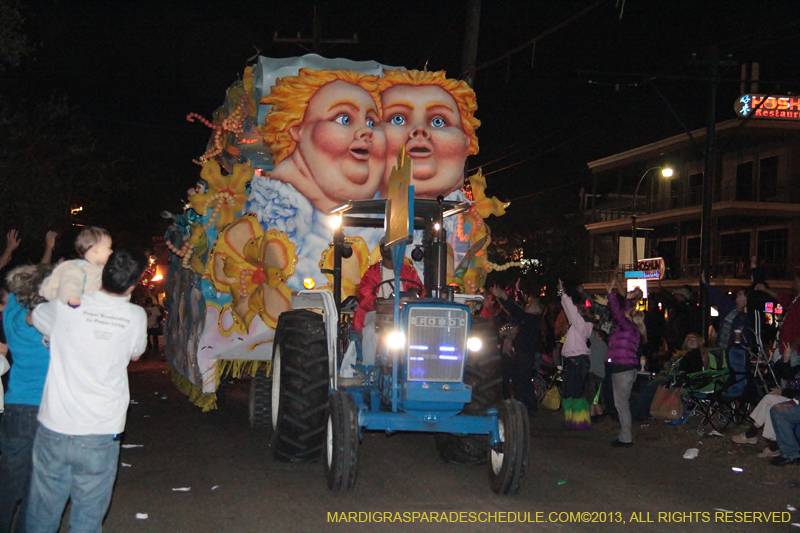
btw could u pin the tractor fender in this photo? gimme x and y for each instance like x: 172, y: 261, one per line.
x: 323, y: 300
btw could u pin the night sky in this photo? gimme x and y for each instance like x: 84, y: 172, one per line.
x: 134, y: 69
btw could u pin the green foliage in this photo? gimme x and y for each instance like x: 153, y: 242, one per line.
x: 51, y: 163
x: 555, y: 242
x: 46, y: 164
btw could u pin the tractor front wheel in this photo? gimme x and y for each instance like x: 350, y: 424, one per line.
x: 508, y: 461
x: 341, y: 442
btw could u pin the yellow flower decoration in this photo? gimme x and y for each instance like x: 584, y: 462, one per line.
x: 226, y: 194
x: 353, y: 267
x: 253, y: 267
x: 482, y: 208
x: 485, y: 206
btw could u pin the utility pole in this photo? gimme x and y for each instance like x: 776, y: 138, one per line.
x: 708, y: 180
x: 470, y: 52
x: 316, y: 40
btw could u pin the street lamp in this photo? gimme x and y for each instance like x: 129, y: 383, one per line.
x: 665, y: 172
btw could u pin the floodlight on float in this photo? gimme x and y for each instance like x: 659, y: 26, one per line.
x: 396, y: 339
x: 308, y: 283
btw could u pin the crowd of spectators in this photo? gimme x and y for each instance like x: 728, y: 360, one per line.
x: 64, y: 401
x: 608, y: 347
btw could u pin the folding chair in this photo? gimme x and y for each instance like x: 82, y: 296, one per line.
x: 714, y: 393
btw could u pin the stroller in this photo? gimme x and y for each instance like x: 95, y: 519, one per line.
x: 717, y: 394
x: 548, y: 376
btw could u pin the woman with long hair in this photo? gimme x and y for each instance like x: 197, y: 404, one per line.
x: 623, y: 360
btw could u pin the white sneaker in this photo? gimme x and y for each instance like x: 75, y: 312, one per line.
x: 766, y: 453
x: 742, y: 438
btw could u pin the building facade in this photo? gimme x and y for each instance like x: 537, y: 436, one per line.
x: 755, y: 205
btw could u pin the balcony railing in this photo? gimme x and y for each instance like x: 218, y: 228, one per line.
x: 690, y: 197
x: 724, y: 268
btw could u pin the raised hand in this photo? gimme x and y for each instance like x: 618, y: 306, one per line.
x: 12, y: 240
x: 50, y: 240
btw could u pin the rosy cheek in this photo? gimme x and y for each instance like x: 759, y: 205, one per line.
x: 331, y: 141
x: 450, y: 143
x: 395, y: 138
x: 378, y: 143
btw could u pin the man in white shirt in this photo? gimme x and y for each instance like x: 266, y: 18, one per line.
x: 85, y: 399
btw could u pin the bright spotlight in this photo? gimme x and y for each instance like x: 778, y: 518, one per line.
x: 308, y: 283
x: 474, y: 344
x: 395, y: 340
x: 667, y: 172
x: 335, y: 221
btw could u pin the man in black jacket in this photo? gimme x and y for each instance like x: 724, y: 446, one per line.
x: 526, y: 344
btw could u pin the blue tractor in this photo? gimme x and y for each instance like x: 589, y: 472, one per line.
x: 436, y: 370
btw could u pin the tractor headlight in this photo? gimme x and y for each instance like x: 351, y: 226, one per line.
x: 396, y: 340
x: 474, y: 344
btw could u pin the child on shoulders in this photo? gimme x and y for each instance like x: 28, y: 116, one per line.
x: 72, y: 279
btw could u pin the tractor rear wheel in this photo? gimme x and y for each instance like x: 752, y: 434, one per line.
x: 299, y: 386
x: 340, y: 456
x: 507, y: 465
x: 260, y: 400
x: 484, y: 374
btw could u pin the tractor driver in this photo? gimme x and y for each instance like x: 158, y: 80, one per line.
x: 378, y: 282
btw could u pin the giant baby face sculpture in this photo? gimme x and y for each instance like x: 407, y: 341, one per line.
x: 329, y: 151
x: 433, y: 117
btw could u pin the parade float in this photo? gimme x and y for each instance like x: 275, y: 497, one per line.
x: 294, y: 138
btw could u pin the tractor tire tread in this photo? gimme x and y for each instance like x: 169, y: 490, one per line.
x: 300, y: 430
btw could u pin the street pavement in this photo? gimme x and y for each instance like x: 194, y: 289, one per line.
x: 227, y: 480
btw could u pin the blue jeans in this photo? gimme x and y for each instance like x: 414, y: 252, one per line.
x: 785, y: 417
x: 17, y: 430
x: 80, y: 467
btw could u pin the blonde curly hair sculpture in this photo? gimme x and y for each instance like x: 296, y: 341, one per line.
x: 458, y: 89
x: 289, y: 99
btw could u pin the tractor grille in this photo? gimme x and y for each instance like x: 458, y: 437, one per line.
x: 437, y: 343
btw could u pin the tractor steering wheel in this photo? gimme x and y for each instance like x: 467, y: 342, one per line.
x: 419, y: 288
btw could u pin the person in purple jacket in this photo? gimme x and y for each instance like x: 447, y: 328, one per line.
x: 623, y: 360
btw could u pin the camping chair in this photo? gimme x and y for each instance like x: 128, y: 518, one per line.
x: 715, y: 393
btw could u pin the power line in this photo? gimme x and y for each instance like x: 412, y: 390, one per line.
x: 565, y: 142
x: 546, y: 190
x: 537, y: 38
x: 596, y: 106
x: 425, y: 57
x: 138, y: 124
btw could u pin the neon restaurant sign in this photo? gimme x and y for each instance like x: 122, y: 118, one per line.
x: 770, y: 107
